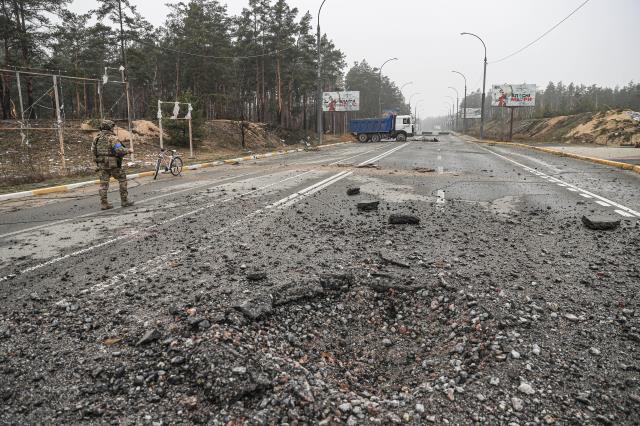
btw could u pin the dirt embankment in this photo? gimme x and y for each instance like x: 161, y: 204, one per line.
x: 38, y: 159
x: 616, y: 127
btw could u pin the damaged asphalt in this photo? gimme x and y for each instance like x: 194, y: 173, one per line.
x: 466, y: 289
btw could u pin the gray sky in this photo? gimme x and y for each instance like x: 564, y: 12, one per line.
x: 597, y: 45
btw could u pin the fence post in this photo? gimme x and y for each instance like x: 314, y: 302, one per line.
x: 190, y: 141
x: 59, y: 119
x: 160, y: 122
x: 21, y: 107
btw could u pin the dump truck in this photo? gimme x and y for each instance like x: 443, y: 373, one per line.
x: 398, y: 127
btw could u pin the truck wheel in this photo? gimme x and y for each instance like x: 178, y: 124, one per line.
x: 375, y: 137
x: 401, y: 137
x: 363, y: 137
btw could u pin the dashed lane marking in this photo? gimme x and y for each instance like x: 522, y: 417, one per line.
x: 138, y: 202
x: 584, y: 192
x: 164, y: 222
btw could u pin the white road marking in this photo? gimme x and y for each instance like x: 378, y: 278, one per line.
x: 136, y: 232
x: 585, y: 195
x: 572, y: 190
x: 164, y: 222
x: 100, y: 213
x: 554, y: 179
x: 158, y: 263
x: 623, y: 213
x: 440, y: 199
x: 602, y: 203
x: 318, y: 186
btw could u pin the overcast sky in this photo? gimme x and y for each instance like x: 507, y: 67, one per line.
x: 597, y: 45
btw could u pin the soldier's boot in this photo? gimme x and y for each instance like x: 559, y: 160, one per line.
x: 104, y: 204
x: 124, y: 194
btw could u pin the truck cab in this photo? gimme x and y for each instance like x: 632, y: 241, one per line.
x: 404, y: 125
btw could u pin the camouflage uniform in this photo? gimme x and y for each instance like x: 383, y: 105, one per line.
x: 108, y: 152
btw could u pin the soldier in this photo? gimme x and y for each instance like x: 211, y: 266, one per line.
x: 108, y: 153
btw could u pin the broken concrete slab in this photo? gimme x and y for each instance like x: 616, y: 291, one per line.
x: 256, y: 307
x: 403, y: 219
x: 600, y: 223
x: 367, y: 206
x: 392, y: 259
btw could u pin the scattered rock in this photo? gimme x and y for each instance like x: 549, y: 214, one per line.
x: 256, y: 275
x: 526, y: 388
x: 149, y: 336
x: 403, y: 219
x: 257, y: 307
x: 600, y: 223
x: 517, y: 404
x: 367, y: 206
x: 353, y: 191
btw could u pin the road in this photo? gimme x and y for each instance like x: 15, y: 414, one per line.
x: 259, y: 292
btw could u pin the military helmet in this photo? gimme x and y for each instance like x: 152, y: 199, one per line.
x: 107, y: 125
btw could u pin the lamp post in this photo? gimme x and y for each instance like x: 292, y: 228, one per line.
x: 411, y: 97
x: 415, y: 109
x: 457, y: 104
x: 449, y: 109
x: 380, y: 84
x: 464, y: 119
x: 402, y: 87
x: 484, y: 82
x: 319, y: 94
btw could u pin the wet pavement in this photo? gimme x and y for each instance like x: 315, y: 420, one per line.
x: 260, y: 293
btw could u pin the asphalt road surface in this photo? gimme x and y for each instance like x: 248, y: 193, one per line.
x: 260, y: 293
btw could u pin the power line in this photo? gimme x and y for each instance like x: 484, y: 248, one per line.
x: 544, y: 34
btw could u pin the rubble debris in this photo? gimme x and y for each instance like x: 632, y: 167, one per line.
x: 353, y: 191
x: 403, y: 219
x: 256, y: 275
x: 148, y: 337
x: 256, y: 307
x: 600, y: 223
x: 424, y: 169
x: 391, y: 259
x: 367, y: 206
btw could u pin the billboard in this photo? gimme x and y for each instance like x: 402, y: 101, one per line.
x: 341, y: 101
x: 471, y: 113
x: 513, y: 95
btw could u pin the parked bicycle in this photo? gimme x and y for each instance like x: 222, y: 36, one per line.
x: 172, y: 163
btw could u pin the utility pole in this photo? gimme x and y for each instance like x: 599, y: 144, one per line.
x: 126, y: 89
x: 380, y: 84
x: 457, y: 105
x: 484, y: 83
x: 464, y: 120
x: 319, y: 93
x: 59, y: 120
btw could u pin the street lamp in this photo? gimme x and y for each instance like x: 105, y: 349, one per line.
x: 405, y: 85
x: 415, y: 109
x: 484, y: 82
x: 457, y: 104
x: 319, y: 94
x: 450, y: 109
x: 411, y: 97
x: 464, y: 119
x: 380, y: 84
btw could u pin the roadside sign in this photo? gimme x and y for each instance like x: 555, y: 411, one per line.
x: 513, y: 95
x: 341, y: 101
x: 471, y: 113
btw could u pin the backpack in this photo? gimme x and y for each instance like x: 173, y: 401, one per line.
x: 101, y: 146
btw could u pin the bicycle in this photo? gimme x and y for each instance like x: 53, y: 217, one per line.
x: 171, y: 163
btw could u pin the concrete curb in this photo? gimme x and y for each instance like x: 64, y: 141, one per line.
x: 72, y: 186
x: 616, y: 164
